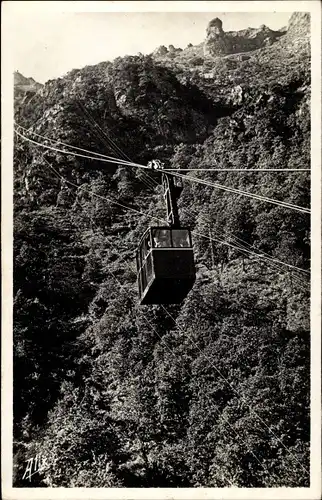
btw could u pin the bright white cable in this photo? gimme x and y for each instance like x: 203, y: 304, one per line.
x: 239, y: 170
x: 112, y: 144
x: 100, y: 196
x: 246, y: 245
x: 194, y: 179
x: 241, y: 398
x: 105, y: 160
x: 266, y: 259
x: 217, y: 409
x: 262, y: 254
x: 244, y: 193
x: 252, y: 253
x: 58, y: 141
x: 112, y: 158
x: 149, y: 181
x: 219, y: 372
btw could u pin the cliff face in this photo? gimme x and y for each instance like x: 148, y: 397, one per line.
x: 170, y: 51
x: 218, y: 42
x: 118, y: 395
x: 299, y: 24
x: 24, y: 87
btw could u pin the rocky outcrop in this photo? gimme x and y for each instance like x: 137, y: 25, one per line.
x: 164, y: 51
x: 23, y: 82
x: 219, y: 43
x: 299, y: 24
x: 25, y: 87
x: 160, y: 51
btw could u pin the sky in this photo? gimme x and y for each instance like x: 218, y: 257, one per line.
x: 47, y: 44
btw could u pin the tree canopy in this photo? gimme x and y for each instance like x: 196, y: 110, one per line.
x: 211, y: 393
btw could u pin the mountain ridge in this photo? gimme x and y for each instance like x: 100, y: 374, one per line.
x: 118, y: 395
x: 298, y: 25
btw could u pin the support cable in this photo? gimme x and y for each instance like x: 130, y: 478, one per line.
x: 220, y: 414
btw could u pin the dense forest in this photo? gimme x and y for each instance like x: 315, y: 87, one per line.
x: 214, y: 392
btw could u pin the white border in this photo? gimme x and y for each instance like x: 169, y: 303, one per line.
x: 8, y: 10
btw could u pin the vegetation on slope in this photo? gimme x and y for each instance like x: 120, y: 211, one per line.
x: 214, y: 392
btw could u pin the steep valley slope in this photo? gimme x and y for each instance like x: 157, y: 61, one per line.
x: 214, y: 392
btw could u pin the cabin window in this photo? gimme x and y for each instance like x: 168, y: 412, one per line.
x: 138, y: 261
x: 140, y: 282
x: 145, y: 247
x: 149, y: 268
x: 180, y: 238
x: 161, y: 238
x: 143, y: 278
x: 146, y: 273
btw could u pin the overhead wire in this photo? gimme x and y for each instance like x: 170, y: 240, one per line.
x: 96, y: 127
x: 218, y: 371
x: 261, y: 258
x: 252, y: 253
x: 266, y: 259
x: 193, y: 179
x: 205, y: 236
x: 211, y: 402
x: 58, y: 141
x: 286, y: 205
x: 130, y: 162
x: 244, y: 193
x: 276, y: 264
x: 239, y: 169
x: 262, y: 253
x: 297, y: 279
x: 248, y: 245
x: 104, y: 137
x: 104, y: 160
x: 234, y: 390
x: 199, y: 234
x: 111, y: 200
x: 241, y: 398
x: 147, y: 179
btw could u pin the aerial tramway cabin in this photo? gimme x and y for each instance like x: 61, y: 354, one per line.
x: 165, y: 260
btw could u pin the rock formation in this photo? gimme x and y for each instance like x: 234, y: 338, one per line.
x: 160, y: 51
x: 22, y: 81
x: 163, y: 51
x: 299, y: 23
x: 219, y: 43
x: 25, y: 86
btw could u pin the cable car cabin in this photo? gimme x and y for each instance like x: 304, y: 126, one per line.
x: 165, y: 263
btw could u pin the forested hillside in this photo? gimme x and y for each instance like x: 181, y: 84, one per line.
x: 214, y: 392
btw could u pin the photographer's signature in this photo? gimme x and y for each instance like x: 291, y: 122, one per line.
x: 34, y: 466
